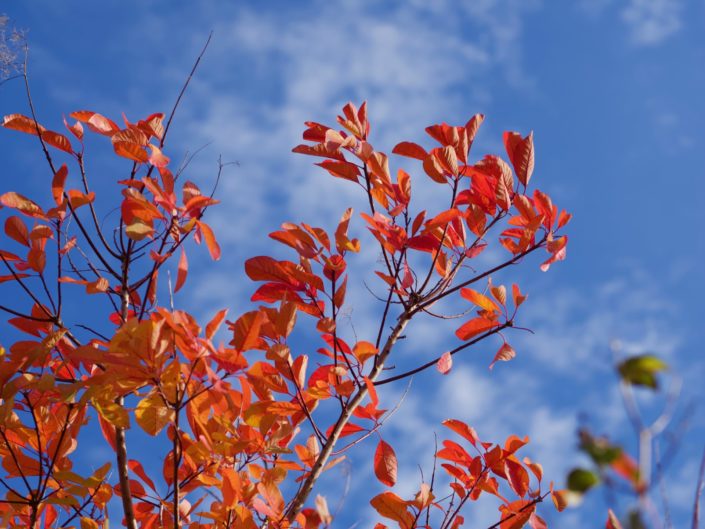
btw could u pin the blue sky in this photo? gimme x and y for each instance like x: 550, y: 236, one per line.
x: 611, y: 88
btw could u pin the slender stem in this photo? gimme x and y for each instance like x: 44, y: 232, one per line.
x: 120, y: 438
x: 307, y: 486
x: 430, y: 301
x: 452, y: 352
x: 698, y: 493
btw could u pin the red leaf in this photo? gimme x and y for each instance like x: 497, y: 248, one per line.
x: 474, y: 327
x: 345, y: 170
x: 16, y: 229
x: 393, y: 507
x: 385, y: 464
x: 22, y: 123
x: 22, y: 204
x: 411, y: 150
x: 521, y: 154
x: 131, y: 151
x: 517, y: 476
x: 182, y: 271
x: 612, y: 521
x: 209, y: 236
x: 478, y: 299
x: 445, y: 362
x: 462, y: 429
x: 57, y: 184
x: 57, y: 140
x: 213, y: 325
x: 96, y: 122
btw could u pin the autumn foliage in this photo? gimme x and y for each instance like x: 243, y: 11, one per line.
x: 246, y: 429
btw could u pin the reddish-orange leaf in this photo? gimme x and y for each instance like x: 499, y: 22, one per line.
x: 246, y: 330
x: 411, y: 150
x: 393, y: 507
x: 157, y: 159
x: 474, y: 327
x: 131, y: 151
x: 211, y: 242
x: 478, y: 299
x: 182, y: 271
x: 15, y: 229
x: 473, y: 125
x: 57, y: 140
x: 78, y: 199
x: 505, y: 353
x: 536, y: 522
x: 516, y: 514
x: 232, y: 487
x: 96, y: 122
x: 462, y: 429
x: 137, y: 468
x: 385, y: 463
x: 213, y: 325
x: 517, y: 476
x: 612, y: 521
x: 434, y: 169
x: 22, y: 123
x: 345, y: 170
x: 76, y: 129
x: 57, y: 184
x: 521, y: 154
x: 445, y: 362
x: 518, y: 297
x: 22, y: 204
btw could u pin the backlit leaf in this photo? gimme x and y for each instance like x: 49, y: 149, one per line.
x: 385, y: 463
x: 445, y: 362
x: 182, y: 271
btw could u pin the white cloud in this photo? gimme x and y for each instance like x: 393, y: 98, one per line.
x: 651, y: 22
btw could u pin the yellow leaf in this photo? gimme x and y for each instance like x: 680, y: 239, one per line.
x: 152, y: 414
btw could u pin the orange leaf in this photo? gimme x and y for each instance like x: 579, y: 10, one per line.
x: 519, y: 298
x: 57, y: 184
x: 505, y: 353
x: 96, y: 122
x: 213, y: 325
x: 22, y: 123
x: 521, y: 154
x: 462, y: 429
x: 478, y: 299
x: 131, y: 151
x: 445, y: 362
x: 57, y: 140
x: 517, y: 476
x: 516, y: 514
x: 393, y: 507
x: 411, y: 150
x: 15, y: 229
x: 345, y: 170
x: 22, y: 204
x: 385, y: 463
x: 157, y: 159
x: 182, y: 271
x: 474, y: 327
x: 211, y: 243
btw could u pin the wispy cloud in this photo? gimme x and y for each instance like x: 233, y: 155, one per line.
x: 651, y: 22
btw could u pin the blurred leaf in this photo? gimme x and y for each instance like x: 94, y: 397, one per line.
x: 582, y: 480
x: 600, y: 450
x: 641, y: 370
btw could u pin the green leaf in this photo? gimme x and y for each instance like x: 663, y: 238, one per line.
x: 641, y: 370
x: 581, y: 480
x: 600, y: 450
